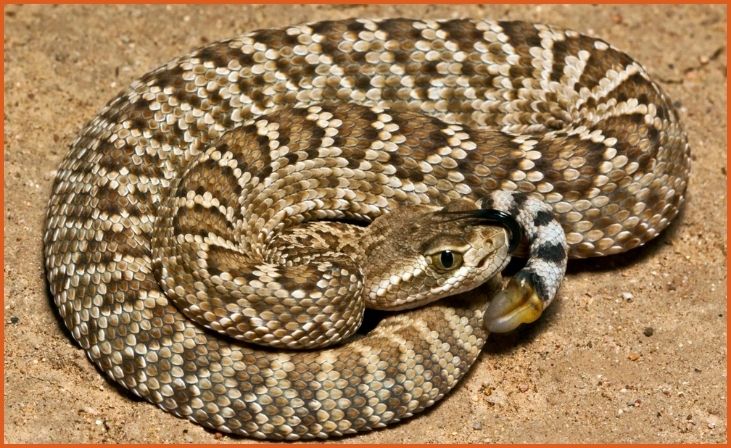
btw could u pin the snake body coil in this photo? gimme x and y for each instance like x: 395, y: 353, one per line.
x: 227, y: 159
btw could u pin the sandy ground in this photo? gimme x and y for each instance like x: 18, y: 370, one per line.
x: 597, y: 368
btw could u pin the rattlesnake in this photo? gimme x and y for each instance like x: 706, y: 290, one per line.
x: 243, y: 159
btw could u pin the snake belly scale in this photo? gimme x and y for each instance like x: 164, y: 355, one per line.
x: 230, y: 158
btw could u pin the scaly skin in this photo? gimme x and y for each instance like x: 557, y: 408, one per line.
x: 450, y: 110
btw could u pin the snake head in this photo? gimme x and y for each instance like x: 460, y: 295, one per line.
x: 418, y: 254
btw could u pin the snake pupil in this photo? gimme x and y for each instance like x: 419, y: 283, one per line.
x: 447, y: 259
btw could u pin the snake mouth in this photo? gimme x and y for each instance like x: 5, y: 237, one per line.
x: 489, y: 257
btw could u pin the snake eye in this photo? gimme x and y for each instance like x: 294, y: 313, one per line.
x: 446, y: 260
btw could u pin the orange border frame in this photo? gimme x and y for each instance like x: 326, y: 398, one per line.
x: 2, y: 196
x: 356, y: 2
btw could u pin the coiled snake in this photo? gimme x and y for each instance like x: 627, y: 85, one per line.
x: 207, y: 225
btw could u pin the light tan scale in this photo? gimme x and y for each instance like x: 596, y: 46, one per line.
x: 229, y: 189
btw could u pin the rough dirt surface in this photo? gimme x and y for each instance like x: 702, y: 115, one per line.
x: 634, y: 350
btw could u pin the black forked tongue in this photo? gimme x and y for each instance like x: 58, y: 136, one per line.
x: 489, y: 216
x: 504, y: 220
